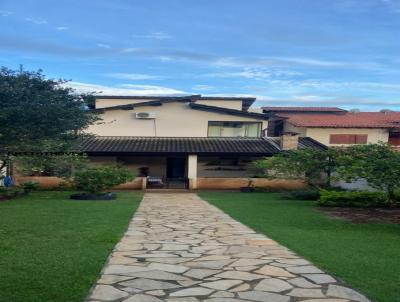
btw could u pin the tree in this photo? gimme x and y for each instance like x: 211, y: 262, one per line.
x: 378, y: 164
x: 39, y: 114
x: 308, y: 164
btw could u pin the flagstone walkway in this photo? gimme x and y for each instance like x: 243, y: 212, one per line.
x: 179, y: 248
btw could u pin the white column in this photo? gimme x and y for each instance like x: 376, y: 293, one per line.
x: 192, y: 171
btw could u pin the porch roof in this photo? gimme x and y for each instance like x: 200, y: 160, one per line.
x: 185, y: 145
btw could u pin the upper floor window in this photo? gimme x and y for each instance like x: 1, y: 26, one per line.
x: 348, y: 139
x: 233, y: 129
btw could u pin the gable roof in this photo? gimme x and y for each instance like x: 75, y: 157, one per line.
x: 246, y: 101
x: 222, y: 110
x: 347, y: 120
x: 288, y: 109
x: 199, y: 145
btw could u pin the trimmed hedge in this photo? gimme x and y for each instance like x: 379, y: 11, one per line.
x: 306, y: 194
x: 361, y: 199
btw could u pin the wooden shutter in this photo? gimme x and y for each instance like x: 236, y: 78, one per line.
x: 347, y: 139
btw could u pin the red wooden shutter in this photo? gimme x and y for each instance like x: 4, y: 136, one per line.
x: 361, y: 138
x: 347, y: 139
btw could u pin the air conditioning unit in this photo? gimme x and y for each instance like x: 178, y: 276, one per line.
x: 145, y: 115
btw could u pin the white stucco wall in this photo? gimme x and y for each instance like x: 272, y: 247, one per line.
x: 172, y: 120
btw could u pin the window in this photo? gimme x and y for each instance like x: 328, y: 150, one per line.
x: 347, y: 139
x: 233, y: 129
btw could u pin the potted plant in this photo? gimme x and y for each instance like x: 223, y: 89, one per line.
x: 95, y: 182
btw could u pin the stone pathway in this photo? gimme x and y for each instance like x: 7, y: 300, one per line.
x: 179, y: 248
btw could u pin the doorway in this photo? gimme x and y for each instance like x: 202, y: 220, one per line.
x: 176, y: 167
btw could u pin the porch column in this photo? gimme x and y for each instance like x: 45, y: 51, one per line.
x: 192, y: 171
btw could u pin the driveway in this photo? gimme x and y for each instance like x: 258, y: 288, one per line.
x: 178, y: 248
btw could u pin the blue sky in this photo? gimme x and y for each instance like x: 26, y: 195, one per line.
x: 285, y: 52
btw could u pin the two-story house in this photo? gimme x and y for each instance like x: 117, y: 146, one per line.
x: 334, y: 126
x: 200, y: 142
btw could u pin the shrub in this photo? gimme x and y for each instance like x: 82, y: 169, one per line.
x: 362, y: 199
x: 97, y: 180
x: 305, y: 194
x: 30, y: 186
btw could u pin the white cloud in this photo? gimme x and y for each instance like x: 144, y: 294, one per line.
x: 101, y: 45
x: 37, y: 21
x: 62, y: 27
x: 201, y: 87
x: 5, y: 13
x: 155, y: 35
x: 126, y: 89
x: 133, y: 76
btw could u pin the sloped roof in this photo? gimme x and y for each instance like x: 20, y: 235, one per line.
x: 348, y: 120
x: 302, y: 109
x: 185, y: 145
x: 246, y: 101
x: 229, y: 111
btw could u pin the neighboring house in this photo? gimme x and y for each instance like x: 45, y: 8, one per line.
x: 203, y: 142
x: 334, y: 126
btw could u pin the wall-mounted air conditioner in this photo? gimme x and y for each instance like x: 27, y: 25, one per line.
x: 145, y: 115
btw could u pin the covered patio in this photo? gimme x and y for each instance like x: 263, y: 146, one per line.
x: 187, y: 162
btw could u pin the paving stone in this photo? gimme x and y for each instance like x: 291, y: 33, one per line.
x: 217, y: 264
x: 301, y: 282
x: 158, y: 292
x: 186, y: 299
x: 346, y: 293
x: 107, y: 293
x: 320, y: 278
x: 222, y: 294
x: 263, y: 296
x: 273, y: 285
x: 222, y: 284
x: 124, y: 269
x: 168, y: 267
x: 201, y: 273
x: 142, y: 298
x: 225, y: 300
x: 111, y: 279
x: 306, y: 269
x: 241, y: 288
x: 306, y: 293
x: 269, y: 270
x: 148, y: 284
x: 248, y: 262
x: 239, y: 275
x: 158, y: 275
x: 192, y: 292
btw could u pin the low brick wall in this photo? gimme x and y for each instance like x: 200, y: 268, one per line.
x: 46, y: 182
x: 49, y: 182
x: 203, y: 183
x: 236, y: 183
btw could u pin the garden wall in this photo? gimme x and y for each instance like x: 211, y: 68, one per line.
x: 236, y: 183
x: 51, y: 182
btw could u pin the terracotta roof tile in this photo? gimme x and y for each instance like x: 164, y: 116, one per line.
x: 302, y: 109
x: 348, y: 120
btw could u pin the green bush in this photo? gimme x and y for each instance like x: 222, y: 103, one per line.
x: 305, y: 194
x: 97, y: 180
x: 362, y: 199
x: 30, y: 186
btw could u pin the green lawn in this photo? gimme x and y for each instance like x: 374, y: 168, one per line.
x: 53, y: 248
x: 366, y: 256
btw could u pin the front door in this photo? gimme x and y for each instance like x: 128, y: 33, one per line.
x: 176, y: 167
